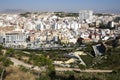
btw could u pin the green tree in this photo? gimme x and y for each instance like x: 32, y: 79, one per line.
x: 51, y: 71
x: 9, y: 52
x: 89, y: 49
x: 42, y: 61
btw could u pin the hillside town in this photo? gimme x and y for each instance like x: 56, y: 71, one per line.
x: 59, y: 44
x: 59, y: 40
x: 46, y: 29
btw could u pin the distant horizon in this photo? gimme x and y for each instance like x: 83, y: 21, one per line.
x: 110, y: 6
x: 22, y: 11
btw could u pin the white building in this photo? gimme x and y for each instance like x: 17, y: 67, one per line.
x: 86, y: 16
x: 14, y: 40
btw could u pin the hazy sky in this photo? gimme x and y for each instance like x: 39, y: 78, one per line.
x: 60, y: 5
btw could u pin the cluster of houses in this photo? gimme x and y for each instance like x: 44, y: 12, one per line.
x: 48, y: 30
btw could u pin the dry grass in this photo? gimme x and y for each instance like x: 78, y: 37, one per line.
x: 14, y: 73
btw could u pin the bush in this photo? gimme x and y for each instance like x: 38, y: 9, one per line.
x: 22, y: 68
x: 82, y: 66
x: 9, y: 52
x: 87, y: 59
x: 42, y: 77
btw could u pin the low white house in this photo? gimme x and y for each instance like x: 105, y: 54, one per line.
x: 14, y: 40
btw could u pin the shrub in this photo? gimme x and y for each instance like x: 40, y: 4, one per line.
x: 82, y: 66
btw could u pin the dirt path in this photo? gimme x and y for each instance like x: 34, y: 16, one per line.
x: 18, y: 62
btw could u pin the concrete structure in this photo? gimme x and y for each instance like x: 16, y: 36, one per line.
x: 86, y: 16
x: 13, y: 39
x: 99, y: 49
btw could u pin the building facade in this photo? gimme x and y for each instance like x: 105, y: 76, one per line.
x: 86, y: 16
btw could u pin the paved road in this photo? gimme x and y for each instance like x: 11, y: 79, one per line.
x: 18, y: 62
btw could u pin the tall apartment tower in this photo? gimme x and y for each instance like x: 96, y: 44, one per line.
x: 86, y: 16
